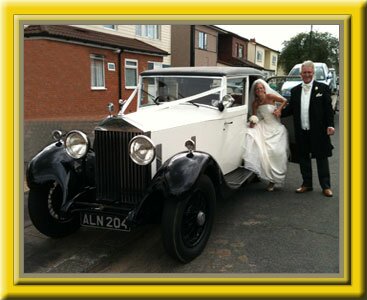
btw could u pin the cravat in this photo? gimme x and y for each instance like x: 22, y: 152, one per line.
x: 306, y: 87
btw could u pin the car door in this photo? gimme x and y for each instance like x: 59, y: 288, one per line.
x: 233, y: 124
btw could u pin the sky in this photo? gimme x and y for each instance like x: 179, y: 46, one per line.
x: 273, y: 36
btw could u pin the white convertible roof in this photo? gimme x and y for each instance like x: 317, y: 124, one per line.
x: 208, y: 71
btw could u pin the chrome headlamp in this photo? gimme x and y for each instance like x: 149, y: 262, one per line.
x: 76, y: 144
x: 141, y: 150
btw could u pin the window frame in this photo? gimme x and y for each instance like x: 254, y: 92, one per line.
x: 126, y: 67
x: 240, y: 53
x: 259, y: 56
x: 113, y: 27
x: 274, y: 60
x: 93, y: 80
x: 156, y: 65
x: 146, y: 30
x: 243, y: 95
x: 202, y: 40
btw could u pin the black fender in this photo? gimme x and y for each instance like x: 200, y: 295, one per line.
x: 179, y: 174
x: 54, y: 164
x: 175, y: 181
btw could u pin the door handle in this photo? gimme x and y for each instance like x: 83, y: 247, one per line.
x: 225, y: 125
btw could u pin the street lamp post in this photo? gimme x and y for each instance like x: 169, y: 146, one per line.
x: 310, y: 51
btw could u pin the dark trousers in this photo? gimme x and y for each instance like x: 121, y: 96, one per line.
x: 306, y: 167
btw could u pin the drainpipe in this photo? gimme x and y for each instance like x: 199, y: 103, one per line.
x: 119, y: 52
x: 192, y: 46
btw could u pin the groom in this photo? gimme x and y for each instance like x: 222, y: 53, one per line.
x: 310, y: 105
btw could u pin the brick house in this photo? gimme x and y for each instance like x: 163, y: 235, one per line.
x: 73, y: 73
x: 235, y: 50
x: 194, y: 45
x: 157, y: 35
x: 264, y: 57
x: 209, y: 45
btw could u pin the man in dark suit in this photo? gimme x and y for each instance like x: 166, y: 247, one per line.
x: 310, y: 105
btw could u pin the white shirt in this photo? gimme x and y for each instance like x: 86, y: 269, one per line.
x: 305, y: 105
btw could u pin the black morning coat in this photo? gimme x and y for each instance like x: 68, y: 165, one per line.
x: 321, y: 117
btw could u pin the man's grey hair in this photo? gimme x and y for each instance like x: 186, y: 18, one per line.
x: 308, y: 63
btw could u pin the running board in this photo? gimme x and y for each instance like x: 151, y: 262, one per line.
x: 237, y: 177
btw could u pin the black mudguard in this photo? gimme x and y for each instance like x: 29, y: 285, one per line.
x: 176, y: 179
x: 179, y: 174
x: 54, y: 164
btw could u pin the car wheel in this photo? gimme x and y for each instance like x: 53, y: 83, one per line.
x: 186, y: 224
x: 44, y: 203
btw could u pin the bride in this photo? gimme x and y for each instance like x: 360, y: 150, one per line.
x: 266, y: 141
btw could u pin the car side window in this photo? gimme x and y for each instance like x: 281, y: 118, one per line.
x: 235, y: 88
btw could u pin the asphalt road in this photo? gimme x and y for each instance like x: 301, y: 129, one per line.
x: 255, y: 232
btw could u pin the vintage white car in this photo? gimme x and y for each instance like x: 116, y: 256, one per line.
x: 167, y: 162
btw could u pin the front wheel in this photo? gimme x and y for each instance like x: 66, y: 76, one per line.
x: 44, y: 203
x: 186, y: 224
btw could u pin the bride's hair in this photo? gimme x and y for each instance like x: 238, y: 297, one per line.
x: 256, y: 83
x: 268, y: 90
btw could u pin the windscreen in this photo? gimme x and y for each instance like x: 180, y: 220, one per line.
x: 157, y: 90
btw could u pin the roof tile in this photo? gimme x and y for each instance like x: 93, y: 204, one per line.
x: 68, y: 32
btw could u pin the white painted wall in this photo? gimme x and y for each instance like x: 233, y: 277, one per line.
x: 129, y: 31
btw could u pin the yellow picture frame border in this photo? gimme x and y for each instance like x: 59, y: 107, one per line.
x: 352, y: 14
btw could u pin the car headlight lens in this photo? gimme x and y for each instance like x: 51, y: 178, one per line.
x: 76, y: 144
x: 141, y: 150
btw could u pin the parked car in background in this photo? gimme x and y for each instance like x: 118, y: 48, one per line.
x: 168, y: 162
x: 322, y: 74
x: 333, y: 81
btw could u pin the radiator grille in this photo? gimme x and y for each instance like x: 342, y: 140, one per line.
x: 118, y: 178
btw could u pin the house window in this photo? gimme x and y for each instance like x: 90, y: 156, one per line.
x: 97, y: 72
x: 131, y: 73
x: 154, y: 65
x: 203, y: 40
x: 149, y: 31
x: 274, y: 60
x: 259, y: 56
x: 240, y: 51
x: 112, y: 27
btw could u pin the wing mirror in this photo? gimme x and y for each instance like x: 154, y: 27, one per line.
x: 226, y: 102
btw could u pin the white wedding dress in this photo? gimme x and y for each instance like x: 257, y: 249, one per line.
x: 266, y: 147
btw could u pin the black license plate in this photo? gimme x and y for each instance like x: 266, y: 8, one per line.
x: 103, y: 221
